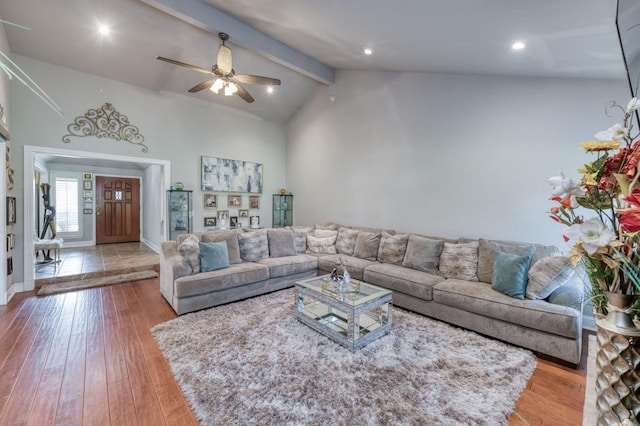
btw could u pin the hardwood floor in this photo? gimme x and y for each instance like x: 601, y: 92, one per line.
x: 88, y: 358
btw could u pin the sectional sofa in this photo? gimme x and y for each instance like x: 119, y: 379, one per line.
x: 525, y: 294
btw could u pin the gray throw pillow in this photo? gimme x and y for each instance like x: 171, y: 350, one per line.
x: 253, y: 245
x: 346, y: 242
x: 325, y: 245
x: 300, y: 237
x: 231, y: 238
x: 487, y: 255
x: 281, y: 242
x: 423, y: 254
x: 392, y: 248
x: 547, y: 275
x: 367, y: 244
x: 190, y: 250
x: 460, y: 261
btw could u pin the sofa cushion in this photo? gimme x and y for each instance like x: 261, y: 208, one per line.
x: 231, y: 238
x: 510, y: 273
x: 253, y: 245
x: 289, y: 265
x: 300, y: 237
x: 233, y: 276
x: 346, y: 241
x: 213, y: 256
x: 548, y: 275
x: 354, y: 265
x: 324, y: 233
x: 281, y: 242
x: 392, y: 248
x: 487, y: 255
x: 481, y: 299
x: 321, y: 244
x: 367, y: 244
x: 404, y: 280
x: 423, y: 254
x: 180, y: 238
x: 459, y: 261
x: 190, y: 250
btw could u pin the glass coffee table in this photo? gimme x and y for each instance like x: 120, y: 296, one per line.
x: 353, y: 318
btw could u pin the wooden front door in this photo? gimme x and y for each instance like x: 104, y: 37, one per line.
x: 117, y: 210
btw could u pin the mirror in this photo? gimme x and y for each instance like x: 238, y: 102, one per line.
x: 628, y: 26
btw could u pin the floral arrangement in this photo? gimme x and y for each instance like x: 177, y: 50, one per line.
x: 607, y: 236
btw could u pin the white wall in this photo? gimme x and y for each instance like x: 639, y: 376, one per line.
x: 441, y: 154
x: 175, y: 127
x: 5, y: 281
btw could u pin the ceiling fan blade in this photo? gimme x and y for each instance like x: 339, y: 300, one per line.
x: 256, y: 79
x: 182, y: 64
x: 204, y: 85
x: 224, y: 59
x: 242, y: 92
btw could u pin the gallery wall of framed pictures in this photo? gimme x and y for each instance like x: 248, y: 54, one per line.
x: 233, y: 210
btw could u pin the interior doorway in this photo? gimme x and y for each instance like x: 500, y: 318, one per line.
x: 117, y: 209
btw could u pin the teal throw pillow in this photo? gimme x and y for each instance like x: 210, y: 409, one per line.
x: 510, y: 274
x: 213, y: 256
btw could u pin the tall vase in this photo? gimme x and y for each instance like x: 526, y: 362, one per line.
x: 618, y: 364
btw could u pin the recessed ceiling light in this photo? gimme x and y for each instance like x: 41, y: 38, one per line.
x: 367, y: 51
x: 269, y: 89
x: 518, y: 45
x: 104, y: 30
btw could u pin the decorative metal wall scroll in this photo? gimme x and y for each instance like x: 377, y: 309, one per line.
x: 105, y: 122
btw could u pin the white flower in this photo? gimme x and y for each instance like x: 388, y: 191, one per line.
x: 613, y: 133
x: 592, y: 233
x: 633, y: 105
x: 564, y: 186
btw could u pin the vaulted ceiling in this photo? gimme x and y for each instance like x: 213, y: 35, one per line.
x: 303, y: 42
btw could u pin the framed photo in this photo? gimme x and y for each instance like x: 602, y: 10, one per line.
x: 87, y: 211
x: 87, y: 184
x: 87, y: 176
x: 87, y: 194
x: 11, y: 239
x: 243, y: 213
x: 209, y: 221
x: 223, y: 217
x: 235, y: 201
x: 222, y: 174
x: 254, y: 201
x: 254, y: 221
x: 233, y: 221
x: 9, y: 265
x: 210, y: 202
x: 88, y: 199
x: 11, y: 210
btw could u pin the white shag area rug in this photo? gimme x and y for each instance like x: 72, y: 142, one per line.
x: 95, y: 282
x: 253, y: 363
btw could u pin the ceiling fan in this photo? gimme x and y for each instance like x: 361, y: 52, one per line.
x: 225, y: 77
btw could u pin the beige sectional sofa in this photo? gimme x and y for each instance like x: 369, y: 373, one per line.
x: 450, y: 280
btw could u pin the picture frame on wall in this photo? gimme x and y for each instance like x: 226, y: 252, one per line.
x: 11, y: 210
x: 254, y: 221
x: 210, y: 202
x: 235, y: 200
x: 87, y: 176
x: 10, y: 241
x: 254, y: 201
x: 243, y: 213
x: 209, y: 221
x: 87, y: 211
x: 9, y: 265
x: 87, y: 185
x: 87, y: 194
x: 223, y: 216
x: 225, y: 175
x: 233, y: 221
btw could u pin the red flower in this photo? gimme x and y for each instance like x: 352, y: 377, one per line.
x: 630, y: 219
x: 634, y: 197
x: 556, y: 219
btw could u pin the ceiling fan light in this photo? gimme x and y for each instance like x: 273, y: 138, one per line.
x: 216, y: 86
x: 230, y: 89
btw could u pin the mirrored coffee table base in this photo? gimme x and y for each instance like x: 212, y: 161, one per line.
x: 353, y: 318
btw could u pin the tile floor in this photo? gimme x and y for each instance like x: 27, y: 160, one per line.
x: 97, y: 261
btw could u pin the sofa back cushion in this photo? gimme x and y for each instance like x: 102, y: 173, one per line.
x: 487, y: 255
x: 230, y: 237
x: 367, y: 244
x: 213, y: 256
x: 346, y: 241
x: 281, y: 242
x: 510, y: 274
x: 190, y: 250
x: 180, y: 238
x: 392, y: 248
x: 325, y: 245
x: 253, y: 245
x: 423, y: 254
x: 300, y: 237
x: 459, y: 261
